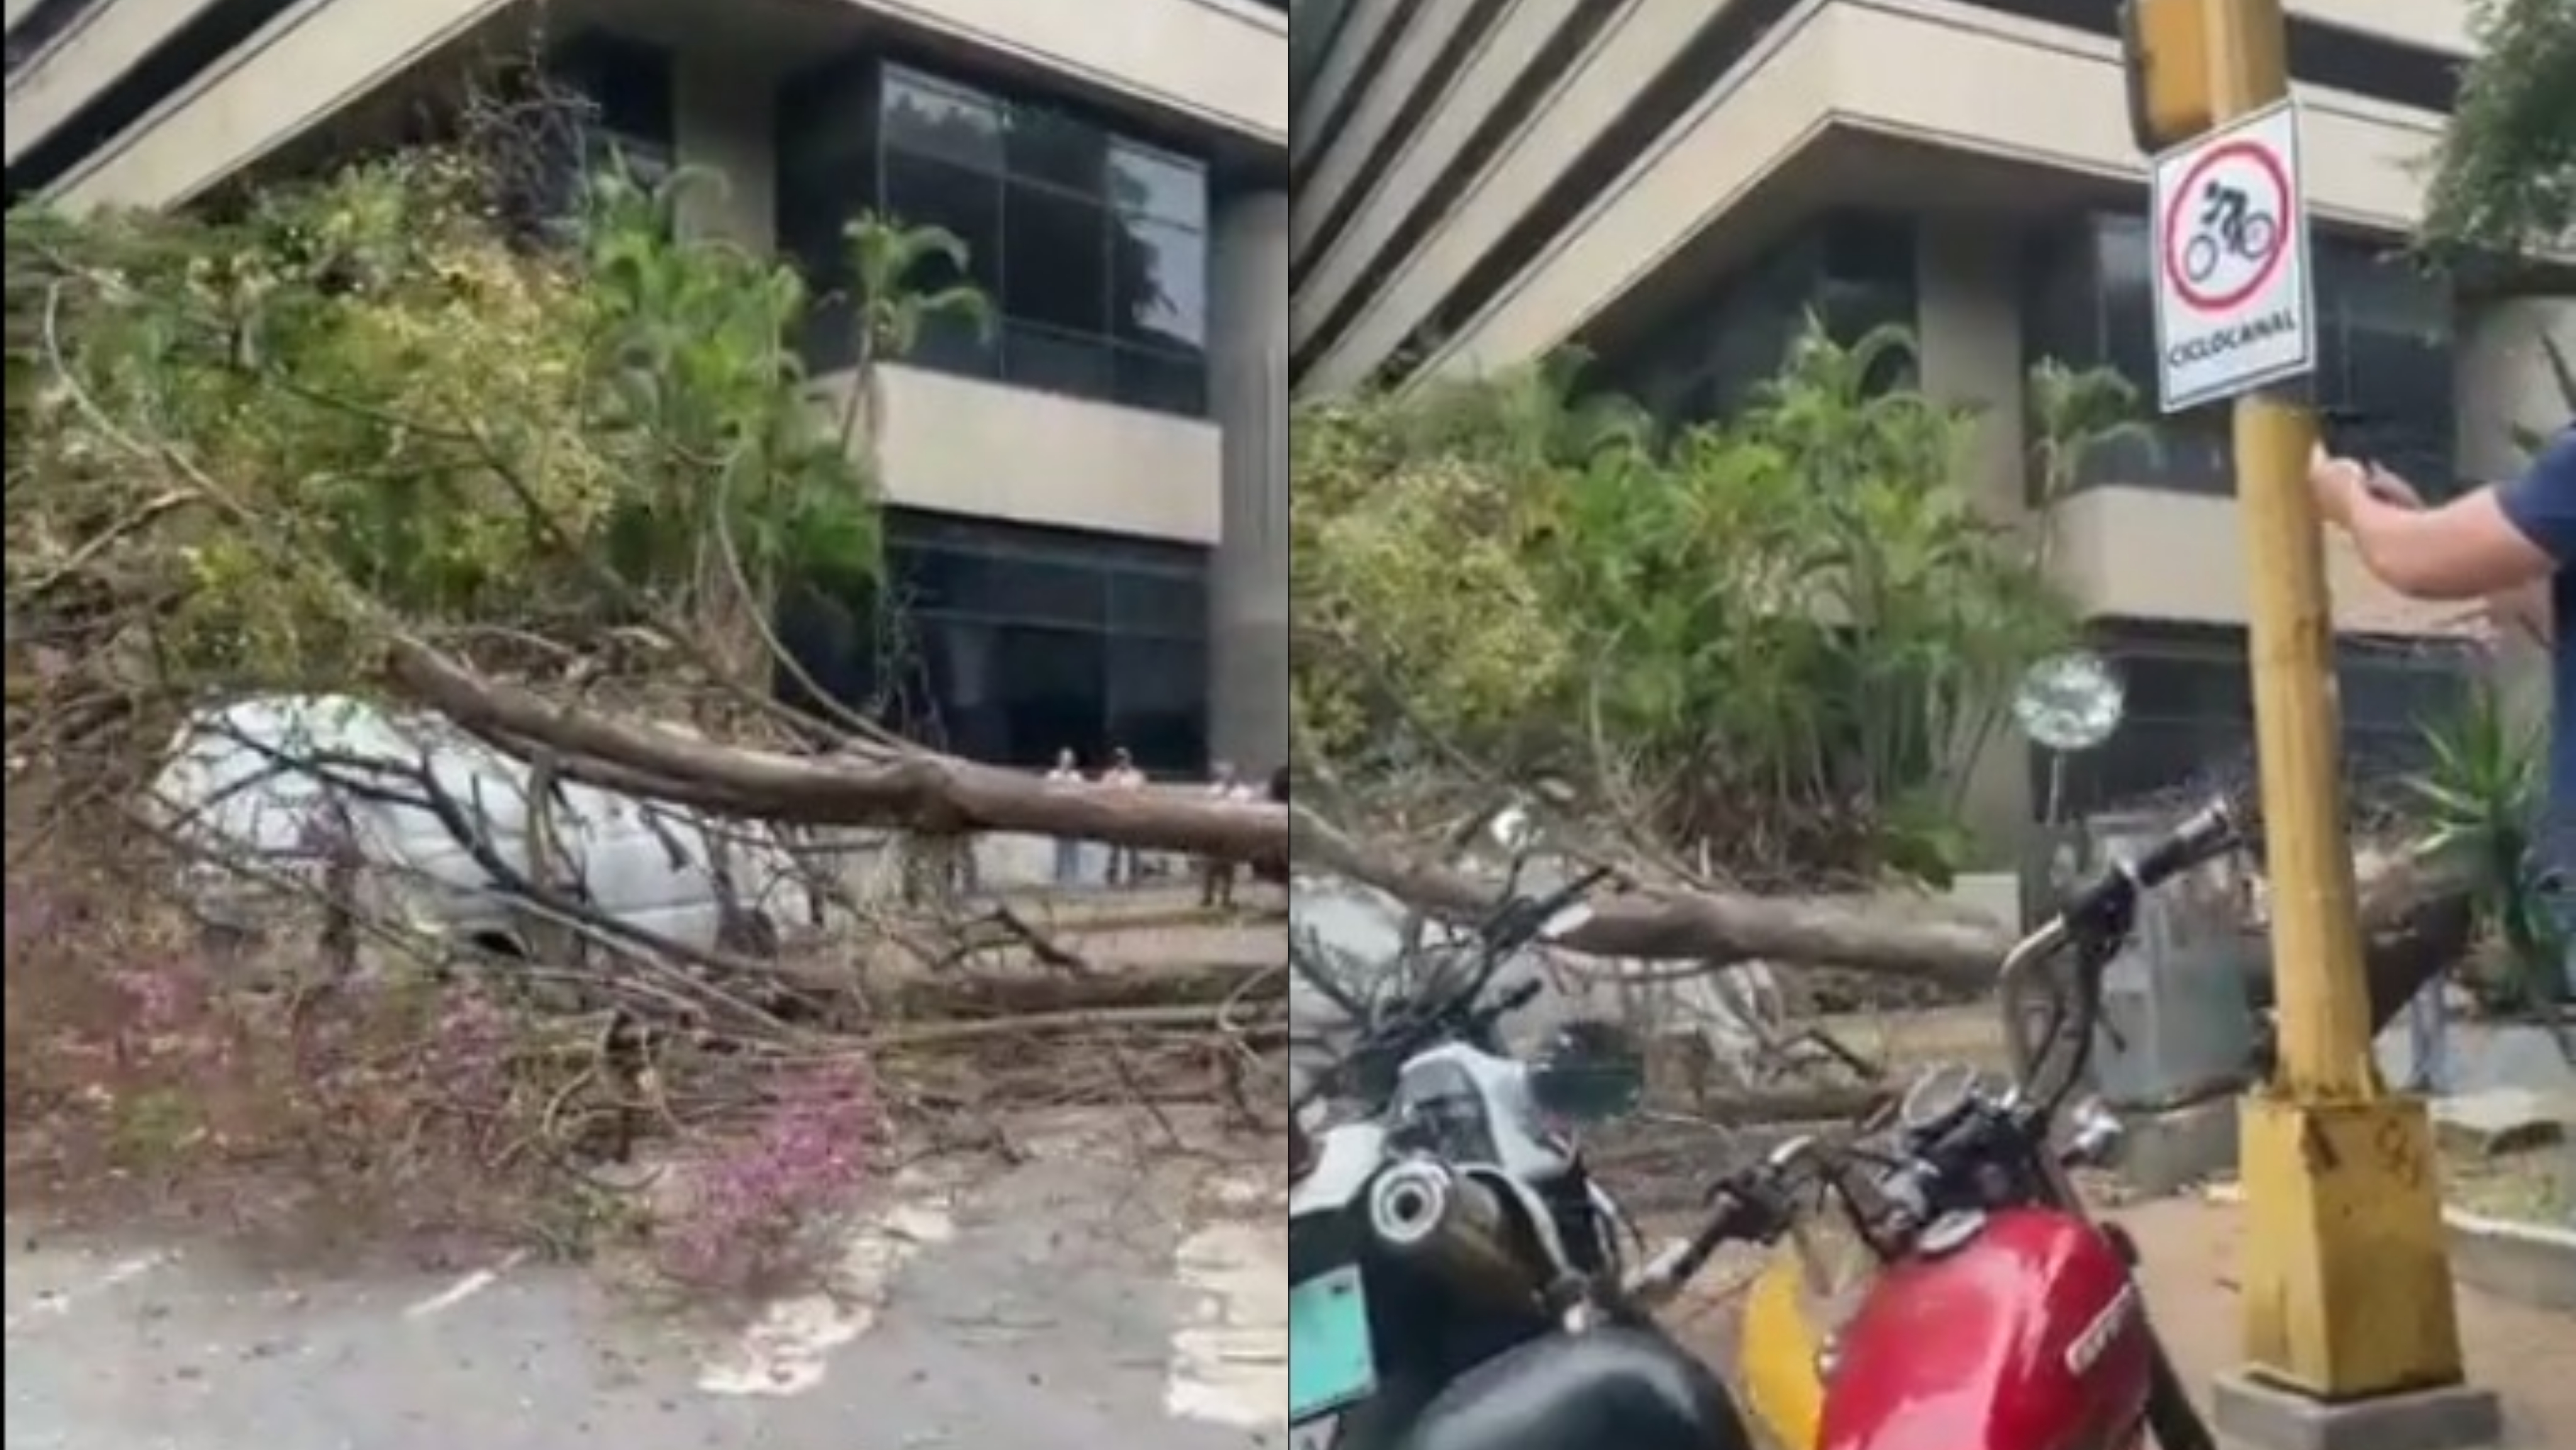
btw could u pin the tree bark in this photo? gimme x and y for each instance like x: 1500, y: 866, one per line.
x: 2416, y: 917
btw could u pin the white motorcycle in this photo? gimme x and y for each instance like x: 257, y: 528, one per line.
x: 1437, y: 1177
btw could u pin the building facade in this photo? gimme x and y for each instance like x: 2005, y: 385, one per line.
x: 1089, y: 501
x: 1671, y: 185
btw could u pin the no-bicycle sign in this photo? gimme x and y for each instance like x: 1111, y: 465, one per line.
x: 2235, y: 305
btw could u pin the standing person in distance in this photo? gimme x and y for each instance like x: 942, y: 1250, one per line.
x: 1126, y: 863
x: 1067, y: 775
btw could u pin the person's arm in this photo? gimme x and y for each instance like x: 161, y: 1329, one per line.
x: 2486, y: 543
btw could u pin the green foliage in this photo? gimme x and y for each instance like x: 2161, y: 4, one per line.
x: 2505, y: 177
x: 247, y: 445
x: 2481, y: 798
x: 1787, y: 628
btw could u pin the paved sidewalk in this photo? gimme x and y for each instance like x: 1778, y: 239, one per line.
x: 2190, y: 1250
x: 1076, y: 1302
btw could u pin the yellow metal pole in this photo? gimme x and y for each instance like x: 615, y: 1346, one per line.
x: 2347, y: 1285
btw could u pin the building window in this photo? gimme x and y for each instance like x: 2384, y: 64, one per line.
x: 1091, y: 247
x: 1009, y: 643
x: 2384, y: 355
x: 617, y: 111
x: 1854, y: 271
x: 2189, y: 721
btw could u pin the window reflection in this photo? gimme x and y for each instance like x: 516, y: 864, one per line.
x: 920, y: 116
x: 2384, y: 354
x: 1007, y: 643
x: 1853, y: 270
x: 1161, y: 295
x: 2189, y: 698
x: 1090, y: 247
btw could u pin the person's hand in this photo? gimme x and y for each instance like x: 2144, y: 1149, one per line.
x: 2338, y: 483
x: 2341, y: 483
x: 2389, y: 489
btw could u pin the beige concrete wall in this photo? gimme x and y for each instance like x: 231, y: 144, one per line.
x: 1920, y: 69
x: 1948, y: 73
x: 1968, y: 327
x: 1424, y: 158
x: 102, y: 45
x: 965, y: 446
x: 1337, y: 73
x: 1219, y: 62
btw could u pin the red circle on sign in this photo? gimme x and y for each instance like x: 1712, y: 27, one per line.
x: 2278, y: 175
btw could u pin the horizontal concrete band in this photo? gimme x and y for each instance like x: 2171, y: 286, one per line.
x: 1221, y: 62
x: 1955, y: 75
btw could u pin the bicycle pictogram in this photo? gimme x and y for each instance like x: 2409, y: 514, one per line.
x: 2229, y: 225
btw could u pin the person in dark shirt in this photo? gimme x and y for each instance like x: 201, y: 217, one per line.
x: 2510, y: 545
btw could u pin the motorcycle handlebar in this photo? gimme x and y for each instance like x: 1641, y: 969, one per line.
x: 1752, y: 1206
x: 2101, y: 912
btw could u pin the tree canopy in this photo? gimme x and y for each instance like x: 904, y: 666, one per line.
x: 2504, y: 180
x: 1784, y: 632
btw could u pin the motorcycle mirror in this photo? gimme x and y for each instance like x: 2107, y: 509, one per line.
x: 1566, y: 922
x: 1589, y: 1071
x: 2069, y: 702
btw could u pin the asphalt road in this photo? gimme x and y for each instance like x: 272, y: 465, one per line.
x: 1076, y: 1301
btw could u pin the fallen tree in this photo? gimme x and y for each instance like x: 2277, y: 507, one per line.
x: 274, y: 462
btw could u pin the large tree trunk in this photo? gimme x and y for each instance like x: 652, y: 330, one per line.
x: 2417, y: 918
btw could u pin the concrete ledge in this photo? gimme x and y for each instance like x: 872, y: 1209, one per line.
x: 2167, y: 1152
x: 2526, y: 1263
x: 2250, y: 1414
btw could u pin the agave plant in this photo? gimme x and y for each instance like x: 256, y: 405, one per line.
x: 2481, y: 797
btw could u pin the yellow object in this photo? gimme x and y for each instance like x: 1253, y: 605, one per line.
x: 2346, y: 1272
x: 2347, y: 1286
x: 2166, y: 43
x: 1809, y: 1290
x: 1776, y: 1357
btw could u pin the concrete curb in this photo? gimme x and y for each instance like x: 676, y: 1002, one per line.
x: 2526, y: 1263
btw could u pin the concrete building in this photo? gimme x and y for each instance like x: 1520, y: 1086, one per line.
x: 1091, y: 503
x: 1671, y: 184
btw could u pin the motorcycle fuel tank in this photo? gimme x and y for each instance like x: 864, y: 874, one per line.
x: 2020, y: 1330
x: 1612, y: 1387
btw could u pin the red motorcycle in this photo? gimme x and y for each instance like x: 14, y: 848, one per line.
x: 2000, y: 1314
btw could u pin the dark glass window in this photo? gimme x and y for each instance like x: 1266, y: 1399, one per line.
x: 2384, y: 355
x: 2189, y: 719
x: 921, y: 116
x: 1089, y: 247
x: 1008, y: 643
x: 618, y: 115
x: 1854, y: 271
x: 825, y: 143
x: 930, y: 191
x: 1057, y: 245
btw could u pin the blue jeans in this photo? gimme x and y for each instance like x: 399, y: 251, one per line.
x: 2428, y: 1038
x: 1068, y: 862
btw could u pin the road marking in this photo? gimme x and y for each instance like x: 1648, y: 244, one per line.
x: 788, y: 1349
x: 1229, y: 1356
x: 463, y: 1289
x: 54, y: 1303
